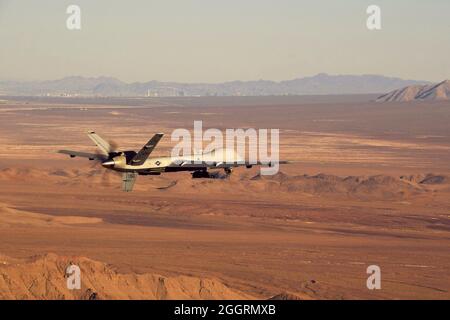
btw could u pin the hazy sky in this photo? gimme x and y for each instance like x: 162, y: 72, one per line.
x: 221, y: 40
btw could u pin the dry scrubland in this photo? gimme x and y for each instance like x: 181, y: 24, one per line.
x: 370, y: 184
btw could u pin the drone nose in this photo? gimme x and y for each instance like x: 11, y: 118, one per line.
x: 108, y: 164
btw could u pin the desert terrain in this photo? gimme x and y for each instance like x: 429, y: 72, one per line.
x: 369, y: 184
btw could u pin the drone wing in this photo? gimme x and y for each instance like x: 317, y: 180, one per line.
x: 90, y: 156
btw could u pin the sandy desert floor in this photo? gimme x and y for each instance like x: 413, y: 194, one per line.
x: 369, y: 184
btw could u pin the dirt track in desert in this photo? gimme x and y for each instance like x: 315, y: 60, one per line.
x: 369, y: 184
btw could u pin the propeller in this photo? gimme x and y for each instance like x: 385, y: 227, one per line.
x: 106, y: 174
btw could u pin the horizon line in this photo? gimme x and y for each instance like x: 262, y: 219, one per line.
x: 217, y: 82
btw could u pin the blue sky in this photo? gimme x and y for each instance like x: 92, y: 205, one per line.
x: 216, y: 40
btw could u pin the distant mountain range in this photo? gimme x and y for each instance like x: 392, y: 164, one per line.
x: 437, y: 91
x: 106, y: 86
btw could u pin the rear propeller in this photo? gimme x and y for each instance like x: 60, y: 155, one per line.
x: 102, y: 160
